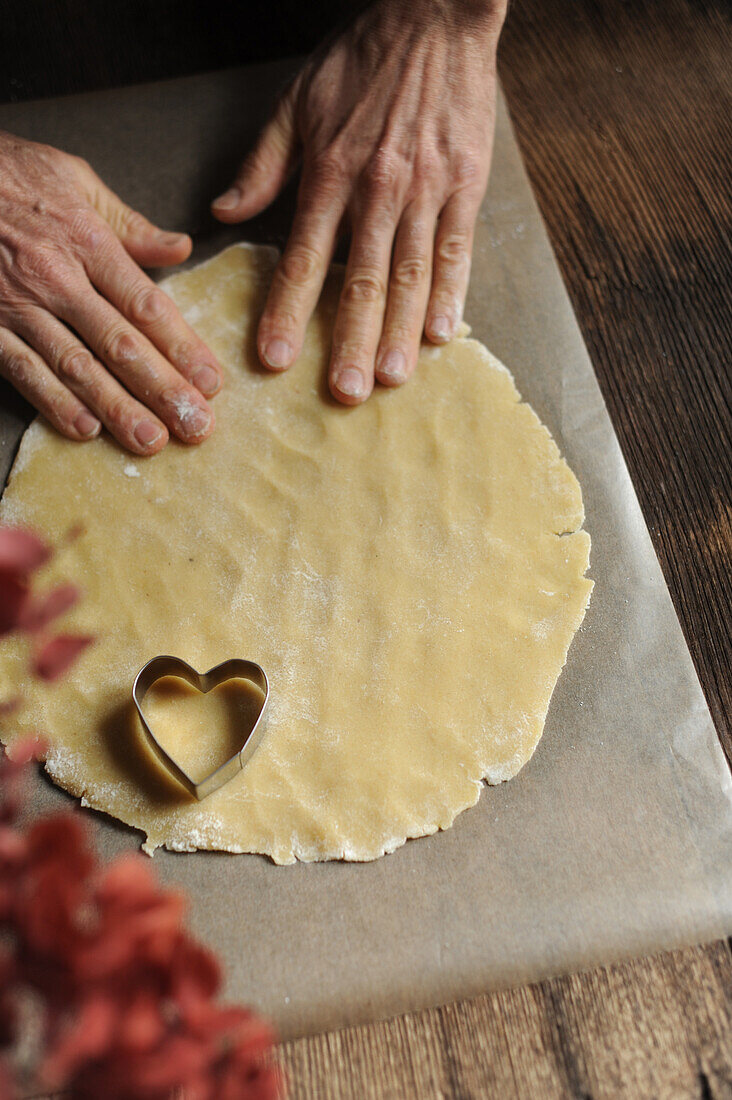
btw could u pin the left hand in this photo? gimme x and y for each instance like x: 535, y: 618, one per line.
x: 394, y: 122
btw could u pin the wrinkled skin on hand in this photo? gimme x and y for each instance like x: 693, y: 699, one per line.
x: 85, y: 335
x: 393, y: 121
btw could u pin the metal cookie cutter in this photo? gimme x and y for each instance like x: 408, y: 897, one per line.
x: 204, y: 682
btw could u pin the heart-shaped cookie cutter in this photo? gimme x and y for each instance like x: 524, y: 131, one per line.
x: 235, y: 668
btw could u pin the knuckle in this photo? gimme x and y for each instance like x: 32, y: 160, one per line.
x: 452, y: 248
x: 364, y: 286
x: 120, y: 346
x: 184, y: 354
x: 277, y: 321
x: 134, y: 222
x: 328, y: 172
x: 269, y: 151
x: 148, y: 304
x: 119, y: 411
x: 467, y: 167
x: 86, y: 232
x: 39, y: 266
x: 178, y: 398
x: 18, y: 367
x: 58, y: 408
x: 400, y: 331
x: 409, y: 273
x: 299, y: 265
x: 381, y: 173
x: 75, y: 365
x: 61, y: 420
x: 351, y: 350
x: 53, y: 157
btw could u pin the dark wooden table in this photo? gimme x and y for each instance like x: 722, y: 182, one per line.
x: 624, y: 116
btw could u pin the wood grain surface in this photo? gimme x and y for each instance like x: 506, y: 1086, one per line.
x: 623, y: 110
x: 660, y: 1027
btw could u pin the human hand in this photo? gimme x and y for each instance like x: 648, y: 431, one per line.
x: 394, y: 122
x: 85, y: 336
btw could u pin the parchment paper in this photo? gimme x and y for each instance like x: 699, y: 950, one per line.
x: 615, y: 839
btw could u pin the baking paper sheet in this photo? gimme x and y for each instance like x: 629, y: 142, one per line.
x: 615, y: 839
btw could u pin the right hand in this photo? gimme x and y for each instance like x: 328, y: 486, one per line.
x: 85, y: 335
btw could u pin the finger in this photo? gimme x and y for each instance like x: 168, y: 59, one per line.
x: 451, y: 266
x: 409, y: 288
x: 299, y: 276
x: 361, y: 308
x: 145, y: 242
x: 265, y: 171
x: 137, y: 364
x: 153, y: 313
x: 27, y: 372
x: 131, y: 424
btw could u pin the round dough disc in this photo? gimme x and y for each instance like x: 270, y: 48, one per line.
x: 410, y: 574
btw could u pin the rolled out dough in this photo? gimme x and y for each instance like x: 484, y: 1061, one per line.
x: 410, y: 573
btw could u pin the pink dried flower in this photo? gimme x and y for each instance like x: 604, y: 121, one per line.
x: 130, y: 996
x: 21, y: 551
x: 14, y: 597
x: 54, y: 657
x: 42, y: 610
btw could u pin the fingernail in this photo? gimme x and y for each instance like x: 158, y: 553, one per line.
x: 147, y: 433
x: 350, y: 383
x: 87, y: 425
x: 278, y: 354
x: 171, y: 238
x: 441, y: 329
x: 193, y: 420
x: 206, y: 379
x: 228, y: 200
x: 394, y: 367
